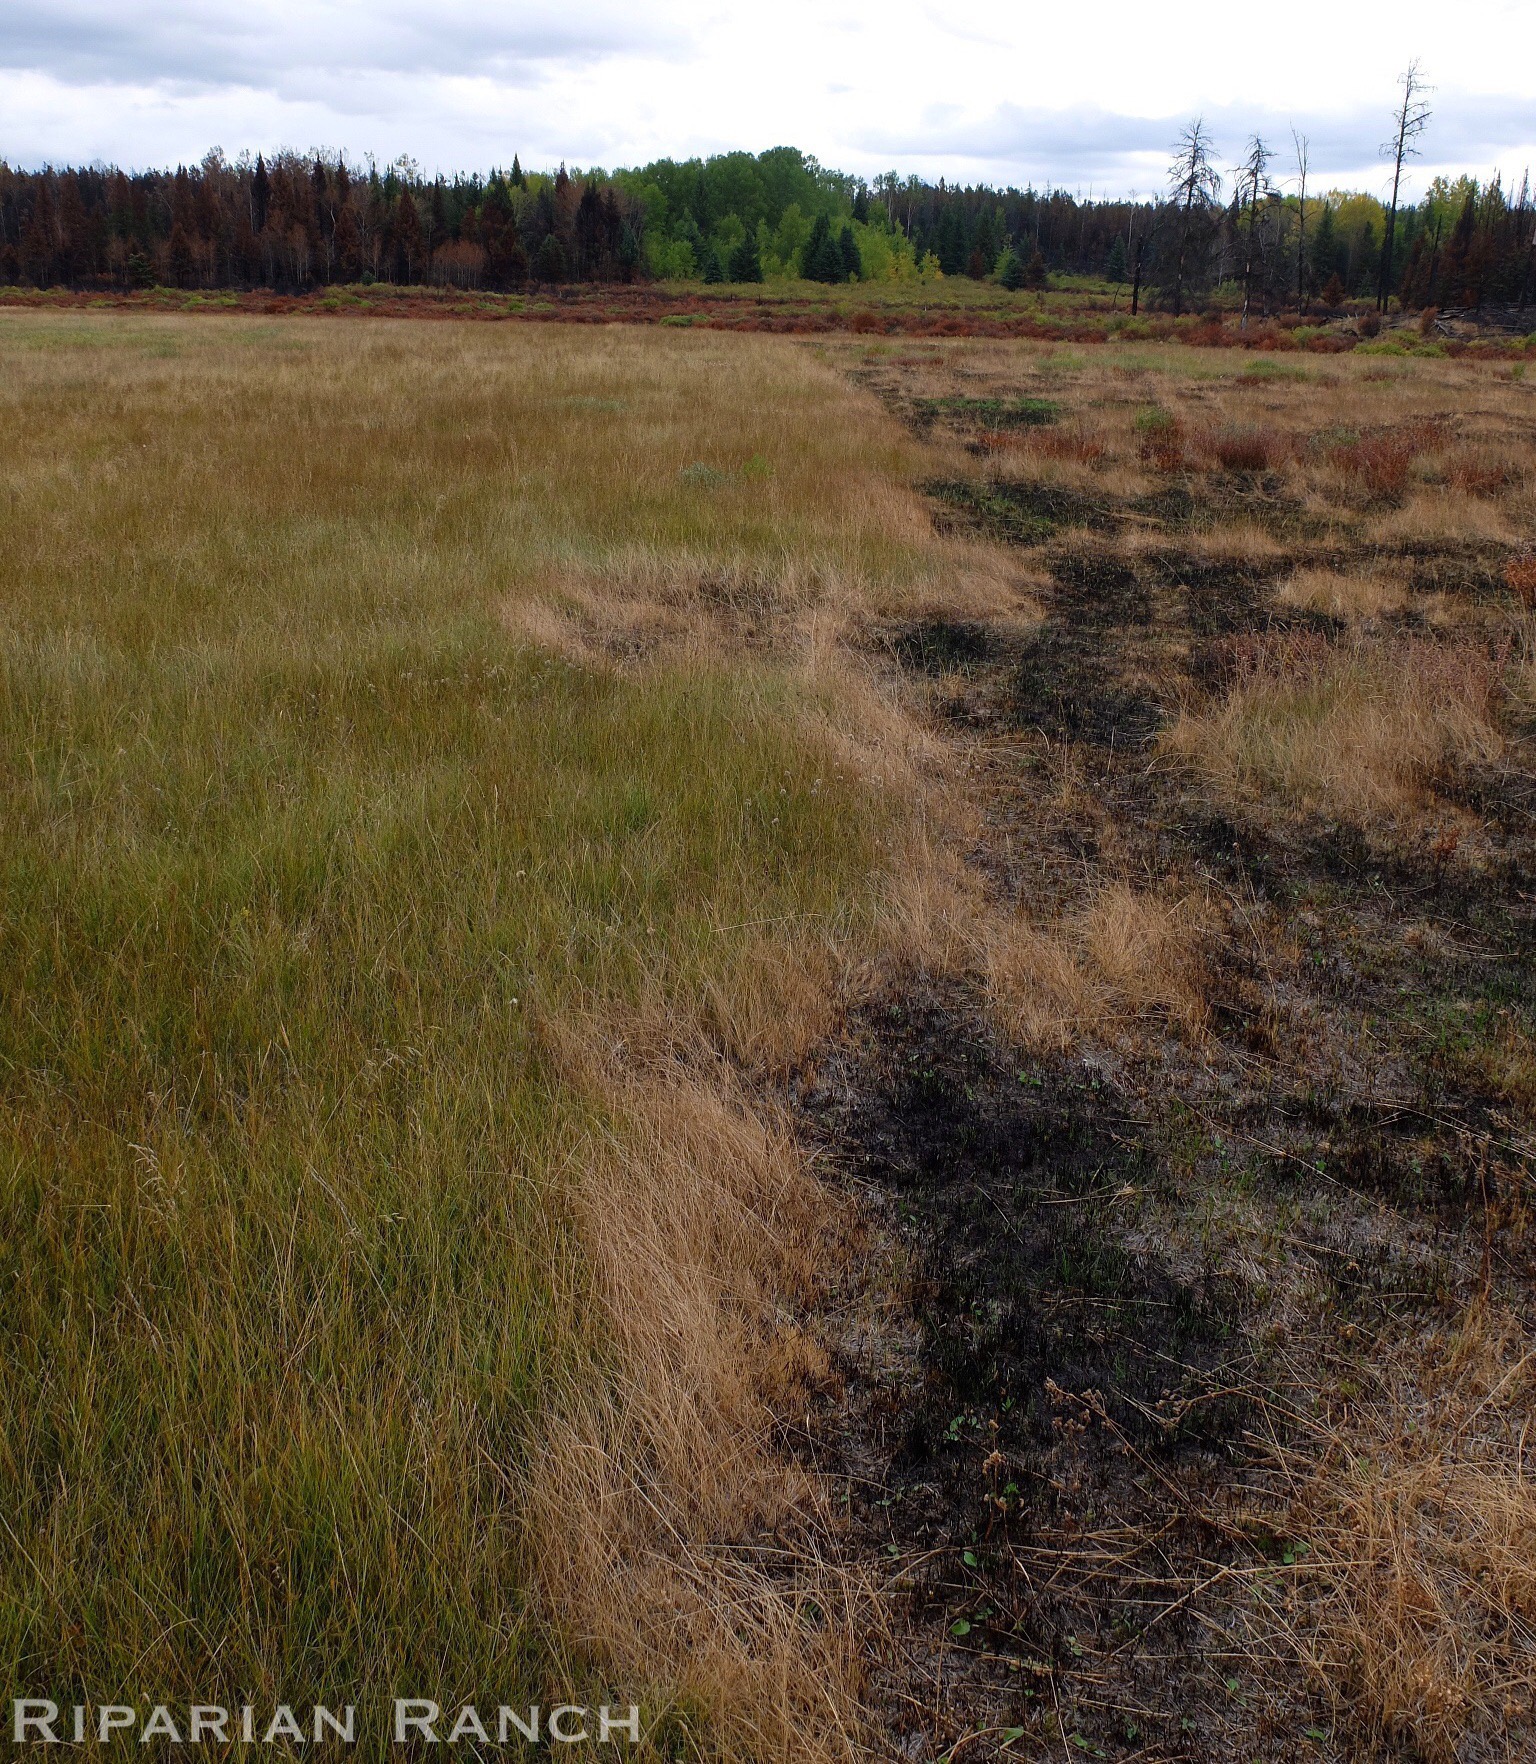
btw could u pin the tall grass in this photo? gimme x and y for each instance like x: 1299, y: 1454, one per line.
x: 314, y: 873
x: 1355, y: 731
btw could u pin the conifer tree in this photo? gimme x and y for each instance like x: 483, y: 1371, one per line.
x: 407, y: 234
x: 1193, y: 186
x: 1114, y: 270
x: 848, y: 252
x: 1408, y: 123
x: 746, y: 266
x: 550, y: 264
x: 1252, y: 183
x: 180, y: 261
x: 261, y: 195
x: 822, y: 261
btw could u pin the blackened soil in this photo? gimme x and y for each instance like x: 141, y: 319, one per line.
x: 1068, y: 690
x: 941, y: 646
x: 1113, y: 1272
x: 1052, y: 1464
x: 1019, y: 512
x: 1008, y: 1177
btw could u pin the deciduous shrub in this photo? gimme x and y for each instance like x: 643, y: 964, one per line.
x: 1160, y: 440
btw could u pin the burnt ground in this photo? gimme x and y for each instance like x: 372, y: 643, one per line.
x: 1122, y: 1275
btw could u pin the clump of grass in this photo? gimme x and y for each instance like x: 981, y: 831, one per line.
x: 1355, y: 597
x: 1357, y: 729
x: 1126, y: 955
x: 1380, y: 463
x: 1072, y: 442
x: 1483, y: 471
x: 1251, y: 447
x: 1160, y: 440
x: 1520, y: 576
x: 1416, y: 1608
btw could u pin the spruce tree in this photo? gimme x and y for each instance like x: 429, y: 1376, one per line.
x: 745, y: 263
x: 261, y: 192
x: 550, y: 264
x: 951, y: 240
x: 1114, y: 270
x: 709, y: 264
x: 821, y: 261
x: 848, y: 251
x: 1010, y: 272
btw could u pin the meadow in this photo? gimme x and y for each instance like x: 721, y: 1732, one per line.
x: 342, y: 920
x: 831, y: 1034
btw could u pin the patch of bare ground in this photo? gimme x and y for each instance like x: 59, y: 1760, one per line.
x: 1186, y: 1406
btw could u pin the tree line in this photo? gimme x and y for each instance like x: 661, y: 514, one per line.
x: 1245, y: 235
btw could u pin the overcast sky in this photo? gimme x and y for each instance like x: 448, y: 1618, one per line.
x: 1083, y: 96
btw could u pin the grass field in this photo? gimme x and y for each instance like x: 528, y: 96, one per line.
x: 330, y: 899
x: 835, y: 1035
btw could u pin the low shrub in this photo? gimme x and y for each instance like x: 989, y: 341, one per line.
x: 1253, y: 448
x: 1380, y: 463
x: 1160, y: 440
x: 1482, y: 473
x: 1520, y: 577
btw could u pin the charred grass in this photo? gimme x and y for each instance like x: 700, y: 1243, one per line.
x: 1206, y: 1442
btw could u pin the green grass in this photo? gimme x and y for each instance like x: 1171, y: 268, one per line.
x: 305, y: 855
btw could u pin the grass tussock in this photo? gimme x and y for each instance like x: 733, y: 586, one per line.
x: 1353, y: 729
x: 700, y: 1223
x: 1357, y: 597
x: 1126, y: 955
x: 1246, y: 447
x: 1418, y: 1607
x: 1520, y: 577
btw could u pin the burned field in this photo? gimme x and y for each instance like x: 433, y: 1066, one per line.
x: 884, y: 1004
x: 1201, y: 1430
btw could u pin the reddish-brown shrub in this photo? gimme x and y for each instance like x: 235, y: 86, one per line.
x: 1380, y: 462
x: 1482, y: 474
x: 1250, y: 449
x: 866, y: 321
x: 1520, y: 577
x: 1162, y: 443
x: 1067, y: 443
x: 1422, y: 434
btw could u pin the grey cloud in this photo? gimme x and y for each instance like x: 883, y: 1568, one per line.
x: 209, y: 43
x: 1020, y: 145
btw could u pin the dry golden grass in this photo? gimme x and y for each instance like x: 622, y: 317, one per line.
x: 675, y: 1547
x: 1356, y: 730
x: 1438, y: 515
x: 1357, y: 597
x: 1418, y: 1610
x: 1125, y: 955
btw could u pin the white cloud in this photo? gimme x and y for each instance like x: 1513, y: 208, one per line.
x: 973, y: 89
